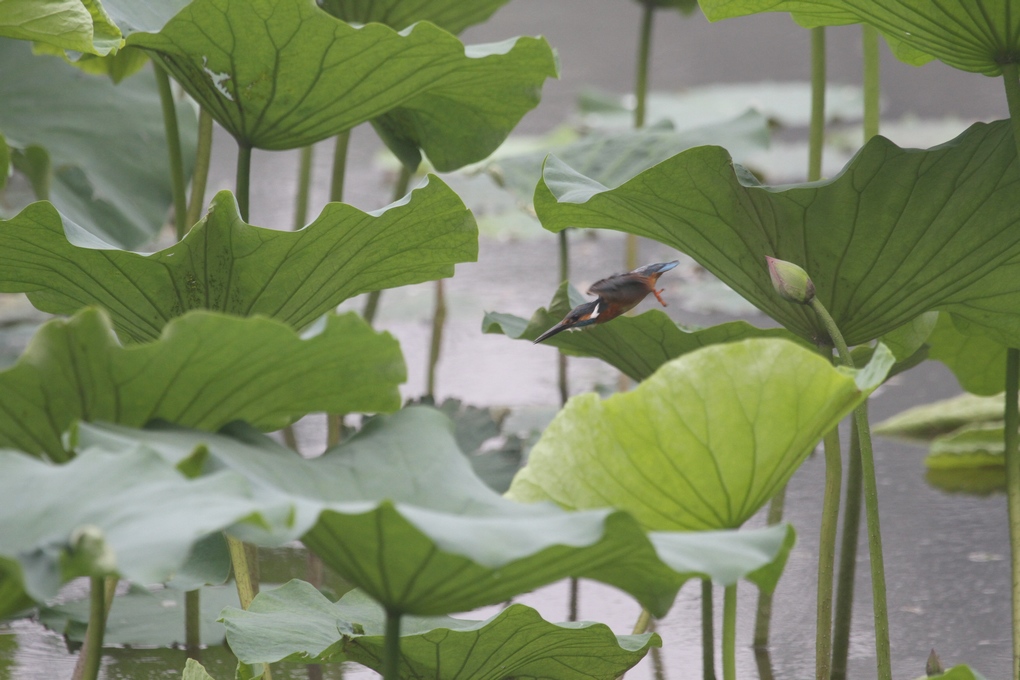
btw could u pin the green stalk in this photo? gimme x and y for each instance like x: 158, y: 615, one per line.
x: 1009, y: 78
x: 847, y: 560
x: 827, y: 554
x: 304, y: 187
x: 644, y: 620
x: 391, y: 649
x: 436, y: 344
x: 1013, y: 491
x: 336, y: 184
x: 729, y: 633
x: 399, y: 191
x: 870, y: 505
x: 641, y: 93
x: 816, y: 138
x: 763, y: 617
x: 243, y: 181
x: 247, y: 588
x: 173, y: 143
x: 561, y: 358
x: 93, y: 649
x: 872, y: 88
x: 200, y: 176
x: 707, y: 632
x: 110, y: 589
x: 192, y: 622
x: 575, y: 586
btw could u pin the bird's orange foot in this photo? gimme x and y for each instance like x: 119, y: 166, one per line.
x: 659, y: 297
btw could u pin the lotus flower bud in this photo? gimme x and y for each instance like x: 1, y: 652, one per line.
x: 790, y: 281
x: 91, y: 550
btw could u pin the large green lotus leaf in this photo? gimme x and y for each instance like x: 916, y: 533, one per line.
x: 398, y: 512
x: 280, y: 74
x: 144, y: 513
x: 206, y: 370
x: 297, y: 623
x: 80, y: 25
x: 880, y: 249
x: 451, y: 15
x: 977, y: 361
x: 701, y: 444
x: 636, y: 345
x: 975, y: 35
x: 928, y: 421
x: 106, y: 144
x: 612, y: 158
x: 227, y: 265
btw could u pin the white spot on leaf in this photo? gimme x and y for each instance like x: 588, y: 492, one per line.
x: 217, y: 79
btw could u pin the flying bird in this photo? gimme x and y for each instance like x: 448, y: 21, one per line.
x: 617, y: 294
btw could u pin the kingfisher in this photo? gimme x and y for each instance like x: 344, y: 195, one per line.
x: 617, y: 294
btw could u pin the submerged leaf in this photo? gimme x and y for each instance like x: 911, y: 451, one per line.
x: 397, y: 511
x: 148, y: 515
x: 205, y: 371
x: 928, y: 421
x: 656, y: 453
x: 281, y: 74
x: 108, y: 169
x: 878, y: 248
x: 612, y: 158
x: 296, y: 623
x: 227, y: 265
x: 635, y: 345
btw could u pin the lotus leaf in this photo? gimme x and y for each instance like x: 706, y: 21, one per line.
x: 296, y: 623
x: 704, y: 442
x: 227, y: 265
x: 899, y: 232
x: 398, y: 512
x: 206, y: 370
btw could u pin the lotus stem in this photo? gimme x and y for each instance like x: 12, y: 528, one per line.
x: 572, y: 605
x: 173, y: 143
x: 870, y: 504
x: 707, y: 632
x: 399, y: 191
x: 192, y: 622
x: 641, y: 94
x: 827, y: 553
x: 109, y: 590
x: 644, y: 620
x: 729, y: 633
x: 336, y: 184
x: 436, y: 344
x: 1009, y: 78
x: 93, y: 649
x: 847, y: 559
x: 1013, y: 490
x: 872, y: 84
x: 290, y: 438
x: 816, y: 137
x: 391, y: 654
x: 200, y: 175
x: 243, y: 181
x: 304, y: 186
x: 247, y: 587
x: 763, y: 617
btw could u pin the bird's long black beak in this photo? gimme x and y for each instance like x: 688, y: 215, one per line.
x: 558, y: 328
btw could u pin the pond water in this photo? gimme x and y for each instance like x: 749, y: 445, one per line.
x: 946, y: 555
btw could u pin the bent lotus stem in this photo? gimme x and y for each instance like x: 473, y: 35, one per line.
x: 878, y: 587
